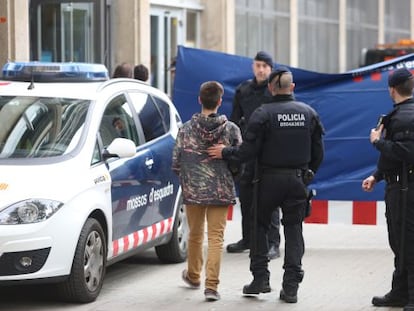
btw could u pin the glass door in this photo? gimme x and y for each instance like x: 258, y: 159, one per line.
x: 167, y: 32
x: 71, y: 31
x: 77, y: 29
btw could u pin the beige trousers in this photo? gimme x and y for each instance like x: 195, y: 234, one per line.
x: 216, y: 217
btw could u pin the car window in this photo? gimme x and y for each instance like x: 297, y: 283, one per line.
x: 149, y: 115
x: 97, y: 154
x: 117, y: 121
x: 33, y: 127
x: 164, y: 110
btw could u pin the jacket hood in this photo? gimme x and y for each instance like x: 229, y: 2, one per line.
x: 208, y: 129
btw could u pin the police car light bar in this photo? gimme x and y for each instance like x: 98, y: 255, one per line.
x: 54, y: 72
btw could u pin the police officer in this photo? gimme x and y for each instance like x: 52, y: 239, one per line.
x: 250, y: 95
x: 285, y: 136
x: 395, y: 166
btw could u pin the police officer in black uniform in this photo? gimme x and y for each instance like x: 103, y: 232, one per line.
x: 285, y: 136
x: 395, y: 166
x: 250, y: 95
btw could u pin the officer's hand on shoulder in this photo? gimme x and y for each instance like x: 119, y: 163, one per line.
x: 215, y: 151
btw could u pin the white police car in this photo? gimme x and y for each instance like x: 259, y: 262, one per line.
x: 86, y: 175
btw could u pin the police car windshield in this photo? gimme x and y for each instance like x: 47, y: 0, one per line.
x: 39, y: 127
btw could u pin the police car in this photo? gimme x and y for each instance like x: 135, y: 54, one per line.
x: 86, y: 175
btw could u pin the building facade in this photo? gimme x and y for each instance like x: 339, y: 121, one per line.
x: 319, y: 35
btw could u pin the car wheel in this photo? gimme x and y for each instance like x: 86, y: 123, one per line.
x: 176, y: 249
x: 88, y: 267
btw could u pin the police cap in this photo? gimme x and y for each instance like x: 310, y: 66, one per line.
x: 264, y: 57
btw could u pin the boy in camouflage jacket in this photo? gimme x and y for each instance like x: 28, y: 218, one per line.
x: 207, y: 185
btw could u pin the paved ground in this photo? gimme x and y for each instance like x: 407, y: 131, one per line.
x: 345, y: 265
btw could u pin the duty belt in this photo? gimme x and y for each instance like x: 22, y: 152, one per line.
x: 277, y: 170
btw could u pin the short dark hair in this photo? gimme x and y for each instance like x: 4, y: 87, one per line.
x: 405, y: 88
x: 141, y: 72
x: 123, y: 70
x: 210, y: 94
x: 275, y: 78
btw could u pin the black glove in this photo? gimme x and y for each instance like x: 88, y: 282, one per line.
x: 308, y: 176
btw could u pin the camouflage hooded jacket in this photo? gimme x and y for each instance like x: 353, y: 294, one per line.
x: 205, y: 181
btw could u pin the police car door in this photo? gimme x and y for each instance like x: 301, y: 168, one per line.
x: 154, y: 116
x: 130, y: 179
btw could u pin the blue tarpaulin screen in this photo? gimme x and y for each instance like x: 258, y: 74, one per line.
x: 349, y: 105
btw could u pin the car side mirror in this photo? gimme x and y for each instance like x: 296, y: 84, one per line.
x: 120, y: 147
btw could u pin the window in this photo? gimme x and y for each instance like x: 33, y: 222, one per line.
x: 397, y: 20
x: 362, y: 29
x: 263, y: 25
x: 164, y: 110
x: 97, y: 155
x: 117, y: 121
x: 40, y: 127
x: 64, y: 30
x: 150, y: 116
x: 319, y: 20
x: 192, y: 29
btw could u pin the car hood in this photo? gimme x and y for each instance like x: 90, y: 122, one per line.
x: 56, y: 181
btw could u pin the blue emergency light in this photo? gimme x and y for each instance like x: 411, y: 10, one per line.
x: 54, y: 72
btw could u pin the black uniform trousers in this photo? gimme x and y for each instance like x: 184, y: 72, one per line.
x: 402, y: 279
x: 288, y: 191
x: 246, y: 199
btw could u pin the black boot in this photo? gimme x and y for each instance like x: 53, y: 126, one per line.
x: 409, y: 307
x: 288, y: 297
x: 238, y: 247
x: 389, y: 300
x: 256, y: 287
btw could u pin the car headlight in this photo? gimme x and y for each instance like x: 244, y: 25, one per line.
x: 29, y: 211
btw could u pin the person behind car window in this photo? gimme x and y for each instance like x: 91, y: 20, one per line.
x: 123, y: 70
x: 141, y: 73
x: 207, y: 184
x: 119, y: 125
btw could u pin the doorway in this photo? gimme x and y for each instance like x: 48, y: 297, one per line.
x: 167, y: 32
x: 68, y: 31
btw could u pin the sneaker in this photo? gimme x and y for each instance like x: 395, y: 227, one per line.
x: 191, y: 284
x: 288, y: 298
x: 237, y: 247
x: 211, y: 294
